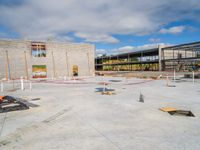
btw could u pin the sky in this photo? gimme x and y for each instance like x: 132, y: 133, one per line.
x: 114, y: 26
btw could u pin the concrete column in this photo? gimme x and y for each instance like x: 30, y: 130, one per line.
x: 160, y: 57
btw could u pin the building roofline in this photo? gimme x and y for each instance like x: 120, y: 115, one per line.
x: 43, y: 41
x: 131, y: 53
x: 182, y: 45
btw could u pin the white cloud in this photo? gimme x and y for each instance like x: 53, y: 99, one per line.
x: 173, y: 30
x: 154, y: 40
x: 126, y: 49
x: 99, y: 19
x: 100, y: 52
x: 97, y: 38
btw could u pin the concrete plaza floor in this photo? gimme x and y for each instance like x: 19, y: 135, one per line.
x: 72, y: 116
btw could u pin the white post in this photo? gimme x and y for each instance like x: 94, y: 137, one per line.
x: 1, y: 86
x: 52, y: 77
x: 30, y: 85
x: 74, y: 79
x: 193, y: 77
x: 22, y: 84
x: 174, y: 75
x: 65, y: 78
x: 167, y: 80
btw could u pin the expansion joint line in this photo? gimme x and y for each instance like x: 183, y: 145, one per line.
x: 4, y: 120
x: 91, y: 126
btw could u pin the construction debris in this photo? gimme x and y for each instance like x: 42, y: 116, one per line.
x: 9, y: 103
x: 177, y: 112
x: 108, y: 93
x: 105, y: 91
x: 115, y: 80
x: 35, y: 99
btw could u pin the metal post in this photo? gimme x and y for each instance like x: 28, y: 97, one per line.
x: 104, y: 87
x: 102, y: 63
x: 193, y: 77
x: 128, y: 63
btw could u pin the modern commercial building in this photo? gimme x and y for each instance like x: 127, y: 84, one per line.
x: 180, y: 57
x: 33, y: 59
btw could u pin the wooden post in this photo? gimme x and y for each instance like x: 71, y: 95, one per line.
x: 8, y: 67
x: 67, y: 64
x: 26, y: 66
x: 54, y: 72
x: 6, y: 71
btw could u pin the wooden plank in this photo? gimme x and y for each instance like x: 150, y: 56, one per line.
x: 168, y: 109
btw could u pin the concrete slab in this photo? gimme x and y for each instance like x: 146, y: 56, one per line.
x: 74, y: 116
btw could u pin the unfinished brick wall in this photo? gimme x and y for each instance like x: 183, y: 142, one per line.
x: 59, y: 60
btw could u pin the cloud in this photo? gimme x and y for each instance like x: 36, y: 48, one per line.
x: 98, y: 20
x: 97, y: 38
x: 100, y: 52
x: 154, y: 40
x: 173, y: 30
x: 126, y: 49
